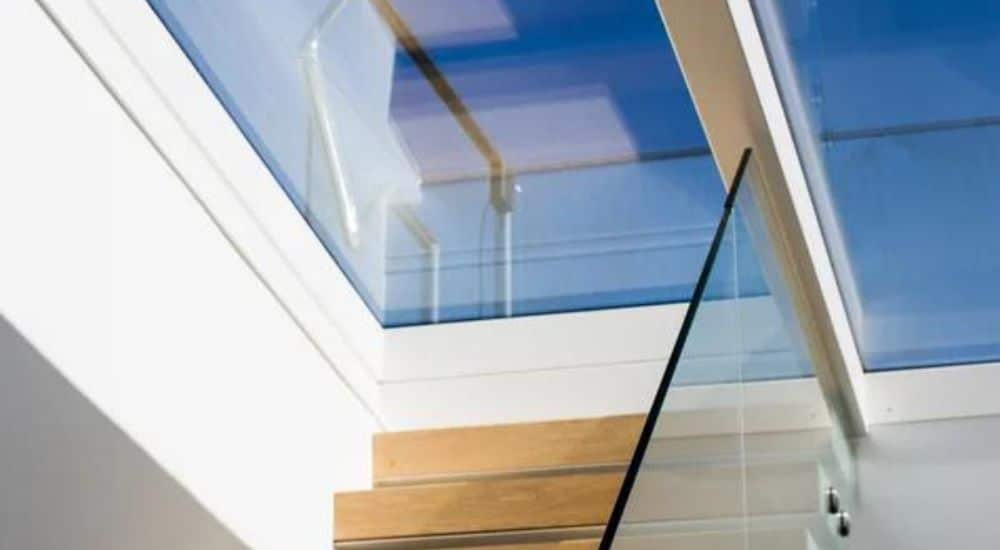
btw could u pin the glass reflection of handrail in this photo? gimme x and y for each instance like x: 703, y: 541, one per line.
x: 318, y: 93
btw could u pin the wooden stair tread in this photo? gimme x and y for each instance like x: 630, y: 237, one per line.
x: 568, y: 538
x: 791, y: 533
x: 589, y: 544
x: 734, y: 539
x: 574, y: 446
x: 539, y: 446
x: 552, y: 485
x: 476, y: 506
x: 545, y: 502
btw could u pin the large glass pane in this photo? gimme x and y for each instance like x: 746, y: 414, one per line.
x: 469, y: 159
x: 598, y: 237
x: 725, y: 461
x: 895, y: 108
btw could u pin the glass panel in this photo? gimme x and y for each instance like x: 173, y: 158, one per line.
x: 727, y: 462
x: 895, y: 108
x: 599, y: 237
x: 469, y: 159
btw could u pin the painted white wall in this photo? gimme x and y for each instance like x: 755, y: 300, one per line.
x: 154, y: 81
x: 69, y: 477
x: 115, y: 273
x: 530, y: 368
x: 928, y: 485
x: 576, y: 364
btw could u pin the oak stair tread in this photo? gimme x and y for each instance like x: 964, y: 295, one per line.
x: 574, y: 500
x: 552, y: 485
x: 422, y: 455
x: 476, y: 506
x: 574, y: 446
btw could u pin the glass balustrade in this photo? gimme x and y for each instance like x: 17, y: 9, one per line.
x: 471, y: 159
x: 895, y: 109
x: 726, y: 460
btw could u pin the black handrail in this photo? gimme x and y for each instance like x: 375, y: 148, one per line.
x: 675, y: 355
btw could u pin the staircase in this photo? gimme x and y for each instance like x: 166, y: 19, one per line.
x: 552, y: 486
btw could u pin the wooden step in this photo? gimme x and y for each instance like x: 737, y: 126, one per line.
x: 733, y: 540
x: 552, y: 485
x: 476, y: 506
x: 803, y: 533
x: 798, y: 538
x: 662, y: 493
x: 576, y: 446
x: 437, y: 455
x: 719, y: 491
x: 588, y: 544
x: 567, y: 538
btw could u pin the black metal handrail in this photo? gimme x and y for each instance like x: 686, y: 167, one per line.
x: 661, y: 392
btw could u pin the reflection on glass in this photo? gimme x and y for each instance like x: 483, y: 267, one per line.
x: 895, y: 108
x: 462, y: 160
x: 730, y: 462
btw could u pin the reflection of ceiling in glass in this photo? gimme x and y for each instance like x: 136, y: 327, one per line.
x: 551, y: 84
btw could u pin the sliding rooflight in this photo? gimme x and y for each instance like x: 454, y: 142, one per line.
x: 895, y: 110
x: 471, y: 159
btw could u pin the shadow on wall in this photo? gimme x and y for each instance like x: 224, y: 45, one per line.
x: 70, y: 478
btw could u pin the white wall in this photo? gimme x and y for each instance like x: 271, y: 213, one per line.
x: 530, y: 368
x: 576, y: 364
x: 928, y: 485
x: 111, y: 268
x: 70, y: 477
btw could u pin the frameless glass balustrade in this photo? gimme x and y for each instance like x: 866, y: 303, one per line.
x: 724, y: 460
x: 895, y: 109
x: 472, y: 159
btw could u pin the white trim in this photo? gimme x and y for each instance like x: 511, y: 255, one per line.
x: 590, y: 391
x: 574, y: 365
x: 813, y: 166
x: 798, y: 189
x: 324, y: 119
x: 524, y: 369
x: 726, y: 69
x: 937, y: 393
x: 130, y: 50
x: 595, y: 339
x: 538, y: 343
